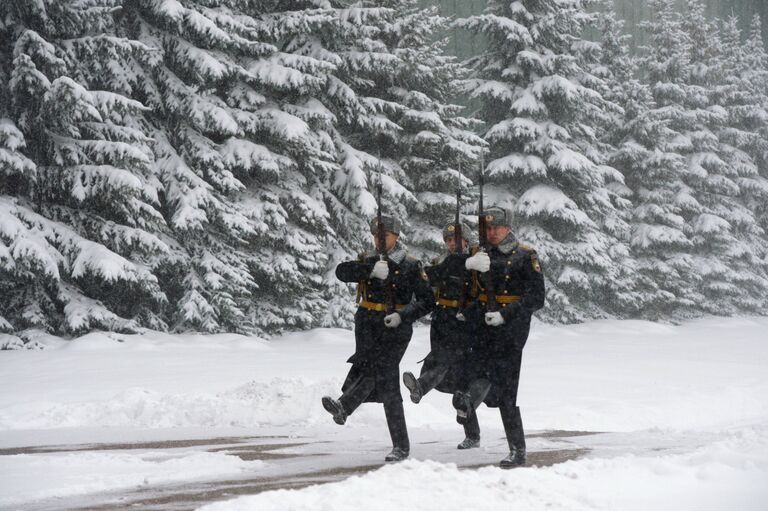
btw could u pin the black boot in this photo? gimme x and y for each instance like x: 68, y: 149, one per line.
x: 469, y: 443
x: 515, y: 458
x: 466, y: 403
x: 398, y: 432
x: 356, y: 394
x: 513, y: 427
x: 335, y: 408
x: 413, y: 386
x: 463, y: 405
x: 471, y: 433
x: 397, y: 454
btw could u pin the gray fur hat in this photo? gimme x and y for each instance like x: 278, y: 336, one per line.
x: 495, y: 215
x: 391, y: 224
x: 450, y: 228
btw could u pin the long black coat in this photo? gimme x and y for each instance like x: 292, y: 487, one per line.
x: 516, y: 271
x: 450, y: 339
x: 379, y: 349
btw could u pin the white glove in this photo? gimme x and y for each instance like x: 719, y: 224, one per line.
x: 393, y: 320
x: 380, y: 270
x: 493, y: 318
x: 460, y: 316
x: 479, y: 262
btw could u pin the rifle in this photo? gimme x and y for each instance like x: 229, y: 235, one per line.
x: 457, y: 234
x: 381, y: 237
x: 490, y: 292
x: 458, y: 241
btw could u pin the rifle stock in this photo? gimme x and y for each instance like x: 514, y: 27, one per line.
x: 381, y: 238
x: 490, y: 292
x: 458, y: 242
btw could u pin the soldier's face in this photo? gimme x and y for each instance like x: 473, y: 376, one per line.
x: 496, y: 233
x: 390, y: 239
x: 450, y: 242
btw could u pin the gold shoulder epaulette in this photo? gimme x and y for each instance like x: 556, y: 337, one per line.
x: 526, y: 247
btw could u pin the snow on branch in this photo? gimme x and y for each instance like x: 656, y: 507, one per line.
x: 547, y: 201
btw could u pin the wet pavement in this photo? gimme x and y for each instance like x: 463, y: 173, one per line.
x: 293, y: 463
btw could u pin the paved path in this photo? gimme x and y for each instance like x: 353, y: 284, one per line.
x: 292, y: 463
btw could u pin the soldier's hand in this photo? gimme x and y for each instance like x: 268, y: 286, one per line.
x: 380, y: 270
x: 393, y: 320
x: 494, y: 318
x: 479, y: 262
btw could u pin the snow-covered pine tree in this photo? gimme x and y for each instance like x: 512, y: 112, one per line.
x: 437, y: 148
x: 756, y: 74
x: 540, y: 102
x: 617, y: 68
x: 386, y: 103
x: 744, y: 95
x: 84, y: 227
x: 652, y: 160
x: 733, y: 278
x: 242, y: 156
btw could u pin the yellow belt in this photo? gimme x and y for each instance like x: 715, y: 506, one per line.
x: 448, y: 303
x: 501, y: 298
x: 380, y: 307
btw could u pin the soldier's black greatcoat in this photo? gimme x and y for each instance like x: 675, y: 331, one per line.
x: 450, y: 339
x: 516, y: 273
x: 379, y: 349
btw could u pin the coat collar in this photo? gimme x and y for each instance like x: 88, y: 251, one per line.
x: 508, y: 244
x: 398, y: 252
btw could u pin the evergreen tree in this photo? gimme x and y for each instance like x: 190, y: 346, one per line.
x: 385, y: 100
x: 743, y: 95
x: 755, y: 72
x: 656, y: 170
x: 88, y: 216
x: 541, y: 102
x: 731, y: 269
x: 619, y: 133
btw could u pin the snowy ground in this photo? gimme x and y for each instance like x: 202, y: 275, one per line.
x: 621, y: 415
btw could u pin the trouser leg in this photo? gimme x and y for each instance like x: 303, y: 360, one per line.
x: 478, y: 389
x: 513, y: 426
x: 472, y: 427
x: 428, y: 380
x: 393, y: 410
x: 356, y: 394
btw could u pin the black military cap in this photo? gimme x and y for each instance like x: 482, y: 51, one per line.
x: 450, y: 228
x: 391, y: 224
x: 498, y: 216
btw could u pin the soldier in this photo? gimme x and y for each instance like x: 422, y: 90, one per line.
x: 380, y: 337
x: 503, y: 326
x: 450, y: 335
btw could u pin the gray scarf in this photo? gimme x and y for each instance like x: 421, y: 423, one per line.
x: 508, y: 244
x: 398, y: 252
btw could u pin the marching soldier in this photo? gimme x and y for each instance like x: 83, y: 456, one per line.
x: 451, y: 334
x: 518, y: 291
x: 381, y: 337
